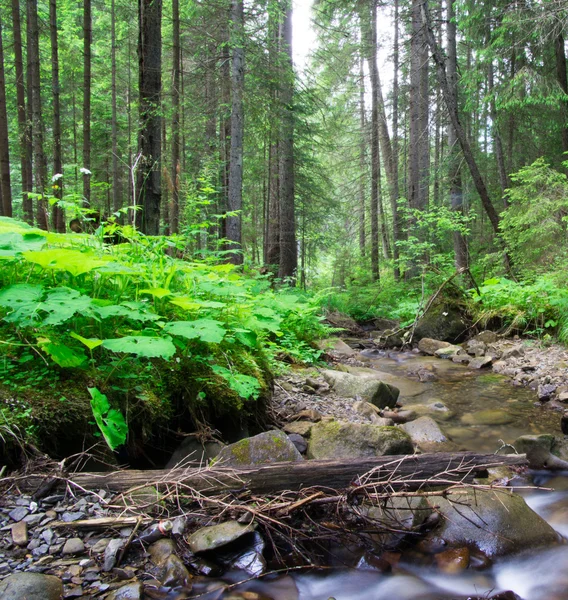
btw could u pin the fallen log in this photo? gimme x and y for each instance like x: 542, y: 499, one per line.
x: 397, y: 472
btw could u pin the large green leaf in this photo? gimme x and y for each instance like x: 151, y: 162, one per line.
x: 109, y: 420
x: 63, y: 259
x: 13, y: 243
x: 245, y: 385
x: 142, y: 346
x: 122, y: 310
x: 63, y: 355
x: 62, y: 303
x: 91, y: 343
x: 157, y: 292
x: 207, y: 330
x: 189, y: 303
x: 24, y: 299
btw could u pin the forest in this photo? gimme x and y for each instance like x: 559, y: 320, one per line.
x: 160, y: 160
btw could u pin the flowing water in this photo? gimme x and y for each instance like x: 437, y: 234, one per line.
x: 534, y: 575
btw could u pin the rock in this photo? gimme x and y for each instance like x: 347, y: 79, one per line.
x: 388, y: 338
x: 73, y: 546
x: 476, y: 347
x: 430, y: 346
x: 487, y: 417
x: 209, y: 538
x: 480, y: 362
x: 539, y: 458
x: 487, y: 337
x: 546, y: 391
x: 366, y: 408
x: 399, y: 416
x: 496, y: 523
x: 18, y: 513
x: 161, y: 550
x: 528, y: 442
x: 268, y: 447
x: 100, y: 546
x: 342, y: 439
x: 449, y: 352
x: 462, y: 359
x: 408, y: 387
x: 302, y: 428
x: 369, y: 389
x: 130, y: 591
x: 424, y: 430
x: 453, y: 561
x: 299, y: 442
x: 31, y: 586
x: 69, y: 517
x: 175, y: 573
x: 193, y: 451
x: 111, y: 552
x: 336, y: 346
x: 442, y: 322
x: 513, y: 352
x: 436, y: 409
x: 20, y: 533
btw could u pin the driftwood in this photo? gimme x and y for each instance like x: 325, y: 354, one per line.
x: 102, y: 523
x: 397, y: 472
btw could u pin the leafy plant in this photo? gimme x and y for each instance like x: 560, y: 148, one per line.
x: 109, y: 420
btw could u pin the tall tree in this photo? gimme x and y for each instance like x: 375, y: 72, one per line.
x: 176, y: 69
x: 150, y: 85
x: 5, y: 187
x: 288, y: 251
x: 362, y: 157
x: 396, y: 233
x: 116, y: 197
x: 57, y: 213
x: 40, y: 162
x: 87, y: 41
x: 235, y: 192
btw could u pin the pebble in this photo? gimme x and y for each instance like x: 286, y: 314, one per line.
x: 73, y: 546
x: 18, y: 513
x: 111, y: 552
x: 69, y: 517
x: 20, y: 533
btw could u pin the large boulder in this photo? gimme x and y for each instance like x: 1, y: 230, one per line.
x: 264, y: 448
x: 496, y: 523
x: 427, y: 435
x: 337, y: 346
x: 31, y: 586
x: 430, y: 346
x: 443, y: 321
x: 191, y: 452
x: 408, y: 387
x: 369, y: 389
x: 342, y: 439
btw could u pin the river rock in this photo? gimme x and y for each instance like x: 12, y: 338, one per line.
x: 369, y: 389
x: 191, y: 451
x: 130, y: 591
x: 31, y: 586
x: 443, y: 322
x: 268, y: 447
x: 20, y: 533
x: 487, y: 417
x: 487, y: 337
x: 526, y: 443
x: 73, y: 546
x: 342, y: 439
x: 424, y: 430
x: 480, y: 362
x: 430, y: 346
x: 454, y: 560
x: 449, y: 351
x: 175, y: 573
x: 496, y: 523
x: 513, y: 352
x: 299, y: 442
x: 308, y: 414
x: 302, y: 428
x: 336, y: 346
x: 209, y: 538
x: 408, y: 387
x: 437, y: 409
x: 475, y: 347
x: 161, y: 550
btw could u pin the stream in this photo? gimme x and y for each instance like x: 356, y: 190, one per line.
x: 533, y: 575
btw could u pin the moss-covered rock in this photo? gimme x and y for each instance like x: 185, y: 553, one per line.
x: 209, y: 538
x: 444, y: 321
x: 369, y: 389
x: 268, y: 447
x: 342, y: 439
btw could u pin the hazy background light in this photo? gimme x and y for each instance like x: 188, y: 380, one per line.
x: 304, y: 35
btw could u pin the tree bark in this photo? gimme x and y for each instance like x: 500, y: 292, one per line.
x: 150, y: 86
x: 25, y: 143
x: 362, y: 157
x: 5, y: 187
x: 396, y: 234
x: 176, y: 69
x: 116, y: 195
x: 499, y: 156
x: 288, y: 252
x: 407, y: 472
x: 57, y: 186
x: 235, y: 192
x: 562, y: 78
x: 40, y: 163
x: 87, y: 38
x: 451, y: 105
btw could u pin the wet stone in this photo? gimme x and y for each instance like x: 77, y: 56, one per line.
x: 209, y: 538
x: 161, y: 550
x: 18, y: 513
x: 454, y: 560
x: 111, y: 552
x: 20, y: 533
x: 73, y: 546
x: 69, y: 517
x: 175, y: 573
x: 131, y: 591
x: 31, y: 586
x: 100, y: 546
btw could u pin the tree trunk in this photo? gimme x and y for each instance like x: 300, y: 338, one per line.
x: 28, y: 202
x: 87, y: 38
x: 235, y: 193
x: 150, y: 85
x: 395, y: 172
x: 288, y: 251
x: 451, y: 105
x: 25, y: 157
x: 57, y: 214
x: 40, y: 163
x: 368, y: 17
x: 408, y: 472
x: 499, y: 156
x: 362, y: 154
x: 454, y: 171
x: 225, y: 131
x: 176, y: 68
x: 562, y: 77
x: 5, y: 187
x: 116, y: 196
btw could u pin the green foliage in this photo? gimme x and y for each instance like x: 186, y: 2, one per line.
x: 534, y: 226
x: 109, y: 420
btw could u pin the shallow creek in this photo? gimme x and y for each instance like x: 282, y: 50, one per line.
x: 534, y: 575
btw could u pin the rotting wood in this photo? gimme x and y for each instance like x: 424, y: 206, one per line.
x: 398, y: 472
x: 102, y: 523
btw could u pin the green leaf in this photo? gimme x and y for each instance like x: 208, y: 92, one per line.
x: 24, y: 299
x: 91, y: 343
x: 245, y: 386
x: 13, y: 243
x: 62, y: 303
x: 62, y: 355
x: 122, y: 310
x: 72, y: 261
x: 109, y: 420
x: 157, y: 292
x: 189, y: 303
x: 207, y: 330
x: 246, y: 337
x: 142, y: 346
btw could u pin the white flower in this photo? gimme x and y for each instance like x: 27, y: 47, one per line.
x: 445, y: 314
x: 85, y: 171
x: 56, y: 177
